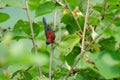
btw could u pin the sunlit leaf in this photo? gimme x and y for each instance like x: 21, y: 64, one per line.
x: 71, y: 25
x: 111, y: 62
x: 33, y: 4
x: 111, y: 2
x: 16, y: 68
x: 22, y: 29
x: 68, y: 43
x: 46, y: 8
x: 4, y: 17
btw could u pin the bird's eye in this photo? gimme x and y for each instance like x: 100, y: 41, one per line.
x: 47, y: 43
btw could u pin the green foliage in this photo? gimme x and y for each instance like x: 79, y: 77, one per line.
x: 3, y: 17
x: 70, y: 23
x: 46, y: 7
x: 68, y: 43
x: 28, y: 75
x: 21, y: 29
x: 110, y: 46
x: 13, y: 3
x: 70, y: 58
x: 111, y: 62
x: 17, y: 57
x: 33, y: 4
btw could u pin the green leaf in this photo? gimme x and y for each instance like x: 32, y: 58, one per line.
x: 15, y: 68
x: 83, y: 78
x: 105, y: 46
x: 98, y: 8
x: 46, y: 8
x: 12, y: 3
x: 111, y: 2
x: 19, y: 31
x: 73, y: 2
x: 117, y: 23
x: 93, y: 20
x: 71, y: 78
x: 107, y: 64
x: 22, y: 29
x: 70, y: 58
x: 98, y: 1
x: 29, y: 59
x: 33, y: 4
x: 28, y: 75
x: 36, y: 29
x: 62, y: 72
x: 4, y: 17
x: 20, y: 52
x: 3, y: 75
x: 71, y: 25
x: 67, y: 44
x: 116, y: 34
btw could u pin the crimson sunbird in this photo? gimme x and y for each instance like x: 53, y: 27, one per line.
x: 50, y: 34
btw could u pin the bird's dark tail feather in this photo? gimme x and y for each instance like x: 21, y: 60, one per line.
x: 44, y: 21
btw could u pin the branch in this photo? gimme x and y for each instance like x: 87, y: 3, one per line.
x: 85, y: 26
x: 103, y: 9
x: 32, y: 34
x: 112, y: 21
x: 31, y: 27
x: 51, y: 59
x: 73, y: 16
x: 55, y: 23
x: 1, y: 7
x: 52, y: 50
x: 88, y: 47
x: 83, y: 40
x: 22, y: 73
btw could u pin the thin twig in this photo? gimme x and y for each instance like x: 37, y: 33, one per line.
x: 59, y: 33
x: 112, y: 21
x: 88, y: 47
x: 22, y: 73
x: 32, y: 34
x: 51, y: 59
x: 55, y: 23
x: 31, y: 27
x: 52, y: 50
x: 85, y: 26
x: 103, y: 9
x: 83, y: 40
x: 73, y: 16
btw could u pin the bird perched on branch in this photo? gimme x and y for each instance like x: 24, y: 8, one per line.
x: 50, y: 34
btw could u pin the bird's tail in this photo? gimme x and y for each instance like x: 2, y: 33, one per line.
x: 44, y: 21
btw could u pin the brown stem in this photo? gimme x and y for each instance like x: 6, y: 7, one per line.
x: 83, y: 40
x: 73, y: 16
x: 85, y: 26
x: 32, y: 34
x: 51, y: 59
x: 52, y: 50
x: 88, y: 47
x: 22, y: 73
x: 103, y: 9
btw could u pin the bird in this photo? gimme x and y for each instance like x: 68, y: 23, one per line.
x: 49, y: 33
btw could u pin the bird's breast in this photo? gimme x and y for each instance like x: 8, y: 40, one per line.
x: 50, y: 37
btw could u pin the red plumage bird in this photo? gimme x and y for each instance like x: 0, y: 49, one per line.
x: 50, y: 35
